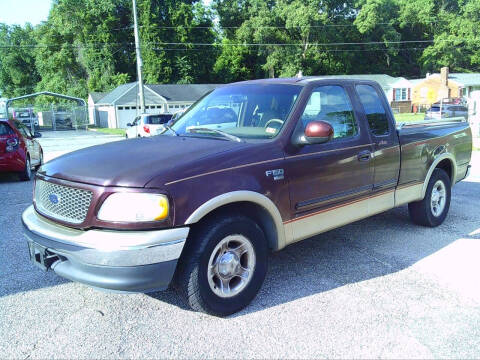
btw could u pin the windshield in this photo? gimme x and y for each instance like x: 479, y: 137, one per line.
x: 248, y: 111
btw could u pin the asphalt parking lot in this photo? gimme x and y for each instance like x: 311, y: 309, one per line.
x: 381, y: 287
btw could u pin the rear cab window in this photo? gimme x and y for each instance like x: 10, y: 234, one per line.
x: 158, y: 119
x: 374, y: 110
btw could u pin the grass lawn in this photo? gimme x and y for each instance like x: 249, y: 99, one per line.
x: 109, y: 131
x: 409, y: 117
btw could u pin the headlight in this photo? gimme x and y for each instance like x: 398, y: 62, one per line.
x: 134, y: 207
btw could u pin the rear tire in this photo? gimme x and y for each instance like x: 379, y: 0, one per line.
x: 26, y: 174
x: 433, y: 209
x: 223, y: 265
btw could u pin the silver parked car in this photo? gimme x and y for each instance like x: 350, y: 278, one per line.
x: 442, y: 111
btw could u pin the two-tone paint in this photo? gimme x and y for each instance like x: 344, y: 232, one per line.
x: 324, y: 186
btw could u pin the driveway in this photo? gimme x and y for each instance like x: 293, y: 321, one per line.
x: 381, y: 287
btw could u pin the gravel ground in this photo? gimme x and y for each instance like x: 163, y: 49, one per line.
x: 381, y: 287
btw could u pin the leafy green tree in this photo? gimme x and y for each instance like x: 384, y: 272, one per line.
x: 165, y: 25
x: 18, y: 73
x: 457, y: 41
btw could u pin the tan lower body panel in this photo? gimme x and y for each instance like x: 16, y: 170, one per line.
x: 312, y: 224
x: 409, y: 193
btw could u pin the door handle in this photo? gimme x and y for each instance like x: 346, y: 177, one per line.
x: 364, y: 155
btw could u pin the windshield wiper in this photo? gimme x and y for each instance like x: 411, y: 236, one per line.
x: 168, y: 127
x: 216, y: 131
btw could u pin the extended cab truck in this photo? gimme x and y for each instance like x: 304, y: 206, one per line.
x: 199, y: 207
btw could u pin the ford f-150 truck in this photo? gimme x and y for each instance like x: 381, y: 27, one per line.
x: 250, y: 168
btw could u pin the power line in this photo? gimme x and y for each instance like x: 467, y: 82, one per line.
x: 323, y: 50
x: 232, y: 44
x: 215, y: 27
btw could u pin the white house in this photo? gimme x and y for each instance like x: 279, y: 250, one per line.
x: 93, y: 100
x: 121, y: 105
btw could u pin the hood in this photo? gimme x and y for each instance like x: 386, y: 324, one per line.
x: 133, y: 163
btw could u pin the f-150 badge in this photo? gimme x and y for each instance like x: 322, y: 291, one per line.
x: 276, y: 173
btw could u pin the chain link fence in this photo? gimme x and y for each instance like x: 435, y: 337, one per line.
x: 63, y: 118
x: 52, y: 117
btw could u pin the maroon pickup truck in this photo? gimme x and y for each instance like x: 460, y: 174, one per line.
x: 250, y: 168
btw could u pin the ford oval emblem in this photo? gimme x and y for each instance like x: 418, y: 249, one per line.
x: 54, y: 199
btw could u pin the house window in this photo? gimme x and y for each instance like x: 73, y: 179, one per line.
x: 401, y: 94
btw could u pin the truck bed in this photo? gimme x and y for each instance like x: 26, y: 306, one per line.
x: 430, y: 141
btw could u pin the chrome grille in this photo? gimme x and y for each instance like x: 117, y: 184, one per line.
x: 62, y: 202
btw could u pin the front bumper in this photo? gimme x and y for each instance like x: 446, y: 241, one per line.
x: 133, y: 261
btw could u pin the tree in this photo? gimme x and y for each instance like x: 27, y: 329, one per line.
x: 457, y: 42
x: 167, y: 30
x: 18, y: 73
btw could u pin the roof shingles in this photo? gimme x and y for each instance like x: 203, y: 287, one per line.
x: 127, y: 94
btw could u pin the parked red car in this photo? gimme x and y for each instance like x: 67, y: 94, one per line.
x: 19, y: 151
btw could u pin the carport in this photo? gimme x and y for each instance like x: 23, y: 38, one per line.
x: 53, y: 119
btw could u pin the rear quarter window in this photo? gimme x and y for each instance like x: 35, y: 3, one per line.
x: 374, y: 110
x: 158, y: 119
x: 5, y: 129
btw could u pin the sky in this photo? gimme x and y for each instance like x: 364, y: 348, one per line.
x: 23, y: 11
x: 33, y: 11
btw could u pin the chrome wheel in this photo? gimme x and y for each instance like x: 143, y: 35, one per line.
x: 231, y: 265
x: 438, y: 198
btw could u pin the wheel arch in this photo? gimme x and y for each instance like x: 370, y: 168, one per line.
x: 254, y: 205
x: 446, y: 162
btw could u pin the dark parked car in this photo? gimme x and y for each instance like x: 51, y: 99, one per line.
x: 26, y: 116
x: 200, y: 205
x: 19, y: 151
x: 446, y: 111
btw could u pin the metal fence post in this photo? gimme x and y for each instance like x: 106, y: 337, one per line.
x: 54, y: 125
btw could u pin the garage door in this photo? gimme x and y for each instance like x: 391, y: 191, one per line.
x: 125, y: 116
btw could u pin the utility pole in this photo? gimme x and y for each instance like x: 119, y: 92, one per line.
x: 139, y: 57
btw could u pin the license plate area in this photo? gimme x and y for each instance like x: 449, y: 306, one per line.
x: 40, y: 256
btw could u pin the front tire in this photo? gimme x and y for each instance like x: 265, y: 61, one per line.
x: 26, y: 174
x: 40, y: 163
x: 433, y: 209
x: 223, y: 265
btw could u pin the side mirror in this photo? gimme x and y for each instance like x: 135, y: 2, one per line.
x: 129, y: 124
x: 36, y: 134
x: 316, y: 132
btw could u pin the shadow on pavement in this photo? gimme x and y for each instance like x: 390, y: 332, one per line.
x: 9, y: 178
x: 367, y: 249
